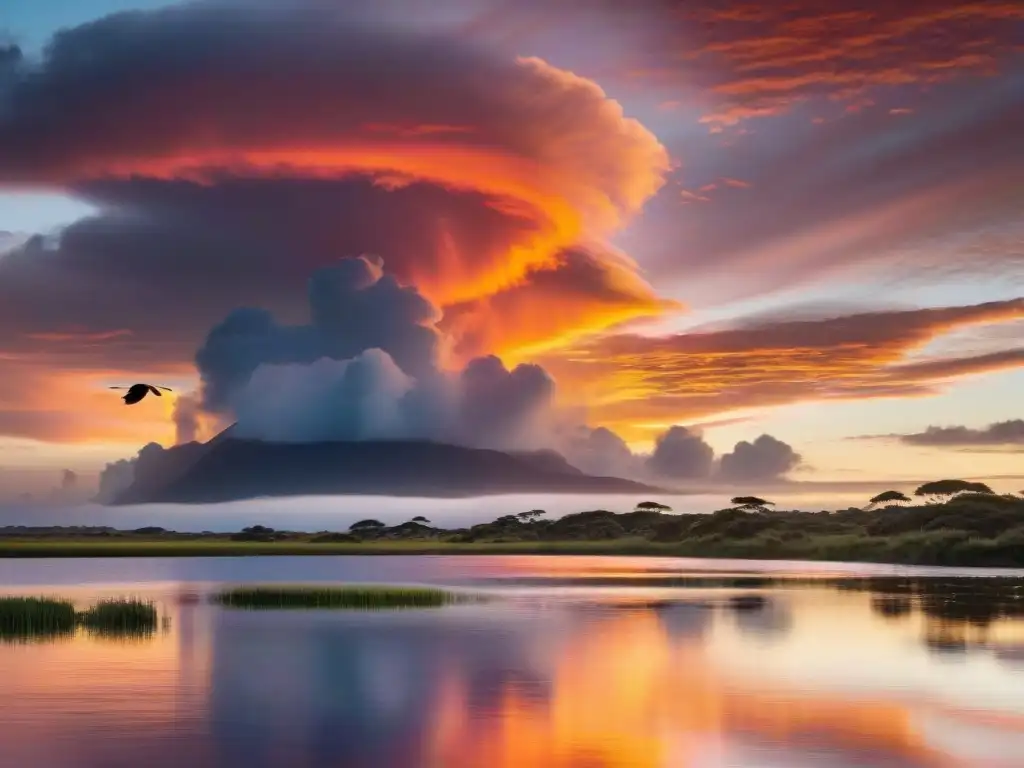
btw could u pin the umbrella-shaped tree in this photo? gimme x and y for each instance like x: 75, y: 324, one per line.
x: 889, y: 497
x: 943, y: 490
x: 751, y: 503
x: 652, y: 506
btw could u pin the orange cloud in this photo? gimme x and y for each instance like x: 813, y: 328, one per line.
x: 628, y: 379
x: 693, y: 197
x: 551, y: 162
x: 761, y: 60
x: 587, y: 289
x: 578, y: 181
x: 737, y: 183
x: 417, y: 130
x: 703, y: 194
x: 80, y: 336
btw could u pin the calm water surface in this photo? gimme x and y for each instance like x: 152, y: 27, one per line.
x: 586, y: 662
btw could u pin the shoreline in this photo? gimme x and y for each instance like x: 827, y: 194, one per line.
x: 821, y: 549
x: 968, y: 531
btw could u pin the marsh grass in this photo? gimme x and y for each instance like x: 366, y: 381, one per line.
x: 120, y: 617
x: 953, y: 534
x: 25, y: 619
x: 352, y: 598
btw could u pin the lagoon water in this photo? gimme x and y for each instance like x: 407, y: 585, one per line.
x: 577, y: 662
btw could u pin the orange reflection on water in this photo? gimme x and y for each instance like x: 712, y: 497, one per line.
x: 561, y: 685
x: 626, y: 696
x: 58, y: 693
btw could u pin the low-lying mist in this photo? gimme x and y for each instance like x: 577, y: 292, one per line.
x: 337, y: 513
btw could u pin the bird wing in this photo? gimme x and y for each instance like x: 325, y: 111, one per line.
x: 154, y: 390
x: 118, y: 387
x: 166, y: 389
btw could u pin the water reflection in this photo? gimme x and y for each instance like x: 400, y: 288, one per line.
x: 956, y: 615
x: 764, y: 621
x: 759, y: 672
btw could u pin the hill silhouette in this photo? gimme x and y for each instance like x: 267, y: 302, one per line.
x: 228, y: 469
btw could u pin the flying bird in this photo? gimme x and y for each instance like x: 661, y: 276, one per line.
x: 138, y: 391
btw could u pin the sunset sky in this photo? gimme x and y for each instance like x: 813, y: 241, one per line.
x: 798, y: 219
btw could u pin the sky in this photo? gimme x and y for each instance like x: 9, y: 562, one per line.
x: 690, y: 224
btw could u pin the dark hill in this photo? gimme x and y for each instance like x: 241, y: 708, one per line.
x: 227, y: 469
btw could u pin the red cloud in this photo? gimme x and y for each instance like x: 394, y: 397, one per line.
x: 762, y: 59
x: 79, y: 336
x: 553, y: 163
x: 628, y: 378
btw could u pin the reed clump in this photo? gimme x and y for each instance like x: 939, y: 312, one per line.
x: 120, y: 616
x: 354, y: 597
x: 26, y: 619
x: 30, y: 618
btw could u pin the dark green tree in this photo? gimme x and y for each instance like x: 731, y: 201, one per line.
x: 889, y: 497
x: 751, y: 503
x: 944, y: 490
x: 257, y: 529
x: 652, y: 506
x: 366, y: 526
x: 530, y: 516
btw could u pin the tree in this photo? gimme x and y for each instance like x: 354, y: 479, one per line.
x: 943, y: 490
x: 256, y: 533
x: 889, y: 497
x: 652, y: 506
x: 533, y: 514
x: 366, y: 525
x: 421, y: 519
x: 751, y: 503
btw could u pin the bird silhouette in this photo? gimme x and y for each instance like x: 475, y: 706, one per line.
x: 138, y: 391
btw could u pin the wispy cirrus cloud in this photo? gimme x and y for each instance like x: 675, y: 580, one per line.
x: 1005, y: 436
x: 628, y: 379
x: 79, y: 335
x: 761, y: 59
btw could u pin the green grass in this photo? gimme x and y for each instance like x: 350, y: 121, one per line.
x: 356, y: 597
x: 119, y: 616
x: 23, y: 619
x: 933, y: 547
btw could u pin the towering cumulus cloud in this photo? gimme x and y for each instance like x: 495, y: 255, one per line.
x: 765, y: 458
x: 365, y: 367
x: 231, y: 150
x: 353, y: 307
x: 680, y: 453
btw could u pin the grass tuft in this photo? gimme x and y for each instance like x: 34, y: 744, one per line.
x: 121, y: 617
x: 357, y: 598
x: 23, y: 619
